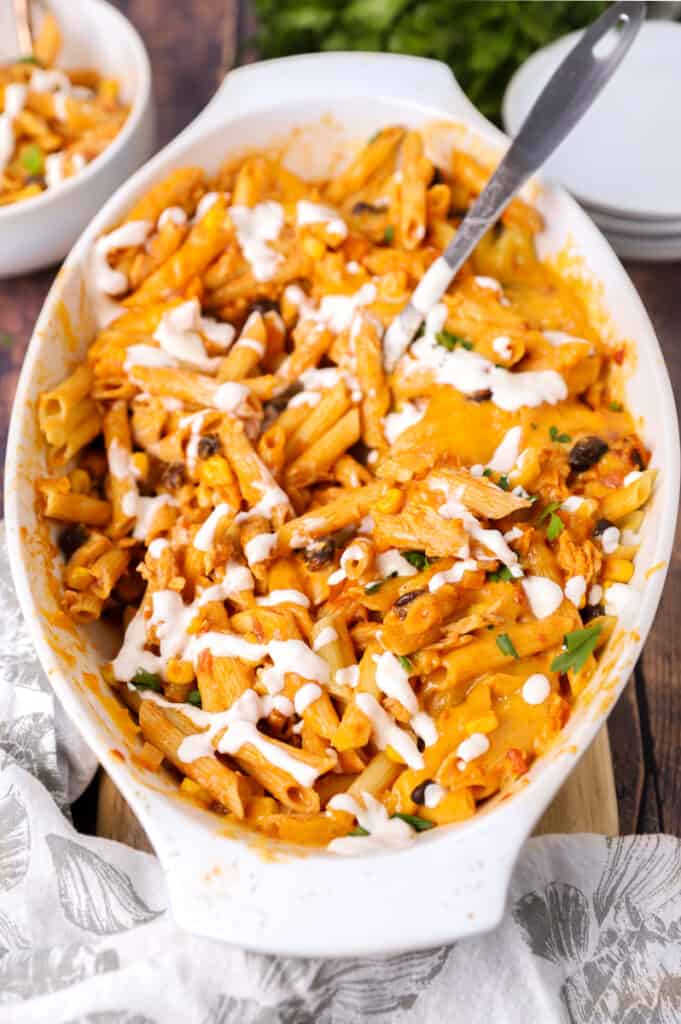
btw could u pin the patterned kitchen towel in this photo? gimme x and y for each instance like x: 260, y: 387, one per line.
x: 592, y: 933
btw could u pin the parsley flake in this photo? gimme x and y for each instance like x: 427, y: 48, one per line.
x: 616, y: 407
x: 555, y: 435
x: 555, y: 527
x: 405, y: 662
x: 578, y: 646
x: 32, y: 159
x: 417, y: 823
x: 194, y: 698
x: 144, y: 680
x: 389, y: 235
x: 418, y: 559
x: 449, y: 340
x: 505, y: 645
x: 371, y: 588
x: 501, y: 575
x: 503, y: 483
x: 359, y: 831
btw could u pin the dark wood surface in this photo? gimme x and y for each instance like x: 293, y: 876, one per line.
x: 188, y: 44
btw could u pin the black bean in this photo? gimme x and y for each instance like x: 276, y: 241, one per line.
x: 265, y: 306
x: 481, y: 396
x: 71, y: 538
x: 401, y: 604
x: 174, y: 475
x: 210, y: 444
x: 362, y: 207
x: 320, y: 553
x: 418, y: 793
x: 586, y: 453
x: 637, y: 458
x: 591, y: 611
x: 601, y: 526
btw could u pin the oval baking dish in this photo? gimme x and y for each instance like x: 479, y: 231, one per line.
x: 230, y: 885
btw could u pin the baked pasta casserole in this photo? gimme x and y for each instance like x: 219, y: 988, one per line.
x: 353, y: 604
x: 53, y: 122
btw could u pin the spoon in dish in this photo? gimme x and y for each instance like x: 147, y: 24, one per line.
x: 563, y: 102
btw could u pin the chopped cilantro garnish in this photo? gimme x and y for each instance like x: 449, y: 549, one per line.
x: 505, y: 645
x: 417, y: 823
x: 32, y: 159
x: 550, y: 508
x: 144, y: 680
x: 555, y: 527
x: 578, y: 646
x: 389, y: 235
x: 29, y: 59
x: 555, y: 435
x: 504, y: 574
x: 418, y: 559
x: 449, y: 340
x: 405, y: 662
x: 194, y: 698
x: 487, y: 472
x: 616, y: 407
x: 371, y: 588
x: 359, y: 831
x: 503, y: 483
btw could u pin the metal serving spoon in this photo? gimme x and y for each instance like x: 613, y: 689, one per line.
x: 562, y: 103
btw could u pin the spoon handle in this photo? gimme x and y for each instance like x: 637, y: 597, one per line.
x: 562, y: 103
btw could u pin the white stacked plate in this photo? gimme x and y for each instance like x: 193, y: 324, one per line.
x: 623, y: 160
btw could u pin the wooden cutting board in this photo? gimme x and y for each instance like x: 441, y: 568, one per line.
x: 586, y: 803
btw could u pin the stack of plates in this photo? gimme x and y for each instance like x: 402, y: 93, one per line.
x: 623, y: 160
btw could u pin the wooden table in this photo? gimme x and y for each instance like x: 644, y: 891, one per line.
x: 645, y: 727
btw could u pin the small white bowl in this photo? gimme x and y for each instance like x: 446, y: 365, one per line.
x: 40, y: 231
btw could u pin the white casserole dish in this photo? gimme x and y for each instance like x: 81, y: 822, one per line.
x: 40, y: 231
x: 452, y: 881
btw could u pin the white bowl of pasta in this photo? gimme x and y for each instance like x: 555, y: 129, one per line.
x: 77, y: 120
x: 367, y: 606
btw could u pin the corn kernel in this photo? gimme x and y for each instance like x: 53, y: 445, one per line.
x: 619, y: 570
x: 215, y: 471
x: 195, y: 791
x: 390, y: 502
x: 179, y: 671
x: 484, y: 724
x: 313, y: 247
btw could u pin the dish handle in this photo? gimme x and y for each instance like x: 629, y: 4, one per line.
x: 268, y: 83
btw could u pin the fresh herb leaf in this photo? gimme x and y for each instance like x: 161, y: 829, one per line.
x: 405, y: 662
x: 29, y: 59
x: 501, y: 575
x: 194, y: 698
x: 371, y: 588
x: 549, y: 510
x: 389, y: 235
x: 417, y: 823
x: 578, y: 646
x: 418, y: 559
x: 487, y: 472
x: 449, y: 340
x: 616, y: 407
x: 6, y: 339
x: 503, y: 483
x: 32, y: 159
x: 144, y: 680
x: 555, y: 527
x: 490, y: 42
x: 359, y: 831
x: 505, y: 645
x: 420, y: 333
x: 555, y: 435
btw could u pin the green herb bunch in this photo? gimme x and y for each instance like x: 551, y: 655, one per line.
x: 483, y: 41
